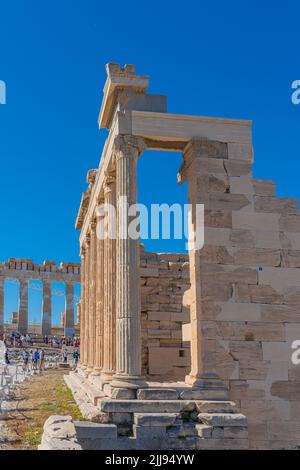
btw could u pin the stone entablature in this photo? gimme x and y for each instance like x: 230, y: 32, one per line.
x: 24, y: 270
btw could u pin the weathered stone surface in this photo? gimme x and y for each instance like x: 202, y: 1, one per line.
x: 286, y: 390
x: 204, y: 430
x: 258, y: 257
x: 222, y: 444
x: 157, y: 394
x: 155, y: 419
x: 242, y: 237
x: 212, y: 406
x: 146, y: 406
x: 276, y: 204
x: 237, y: 167
x: 258, y: 294
x: 223, y: 419
x: 87, y: 430
x: 290, y: 223
x: 217, y: 218
x: 264, y: 187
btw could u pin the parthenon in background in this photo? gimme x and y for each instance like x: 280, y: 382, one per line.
x: 24, y: 270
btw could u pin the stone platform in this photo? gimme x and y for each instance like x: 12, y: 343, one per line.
x: 162, y: 416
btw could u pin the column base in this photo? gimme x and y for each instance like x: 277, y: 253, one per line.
x: 131, y: 382
x: 96, y: 372
x: 107, y: 376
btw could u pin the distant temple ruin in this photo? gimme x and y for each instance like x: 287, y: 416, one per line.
x: 24, y: 270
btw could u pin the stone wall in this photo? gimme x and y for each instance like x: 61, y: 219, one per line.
x: 164, y: 279
x: 250, y: 289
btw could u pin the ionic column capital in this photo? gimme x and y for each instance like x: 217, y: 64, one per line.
x: 128, y: 145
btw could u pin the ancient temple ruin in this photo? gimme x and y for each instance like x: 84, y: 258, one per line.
x: 236, y: 312
x: 25, y: 270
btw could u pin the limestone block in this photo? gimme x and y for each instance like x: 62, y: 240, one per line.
x: 262, y: 294
x: 216, y: 254
x: 216, y: 236
x: 222, y: 444
x: 230, y: 432
x: 223, y: 419
x: 279, y: 313
x: 257, y: 431
x: 257, y: 257
x: 246, y: 350
x: 241, y: 152
x: 292, y: 240
x: 204, y: 431
x: 240, y: 390
x: 212, y: 406
x: 146, y: 406
x: 217, y: 218
x: 276, y: 204
x: 255, y: 370
x: 290, y: 223
x: 267, y: 239
x: 255, y: 221
x: 87, y: 430
x: 292, y: 296
x: 155, y: 419
x: 291, y: 258
x: 229, y: 274
x: 157, y: 394
x: 232, y: 311
x: 254, y: 331
x: 213, y: 183
x: 205, y: 394
x: 286, y: 390
x: 264, y: 187
x: 242, y: 238
x: 162, y: 360
x: 241, y: 185
x: 238, y: 167
x: 279, y: 278
x: 227, y: 201
x: 216, y: 291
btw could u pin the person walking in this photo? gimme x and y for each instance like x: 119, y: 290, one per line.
x: 25, y: 360
x: 42, y: 360
x: 36, y: 356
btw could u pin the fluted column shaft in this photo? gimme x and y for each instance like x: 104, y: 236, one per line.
x: 86, y: 303
x: 109, y: 358
x: 1, y: 306
x: 128, y: 357
x: 69, y: 318
x: 82, y: 308
x: 47, y: 308
x: 92, y: 296
x: 23, y: 307
x: 99, y: 299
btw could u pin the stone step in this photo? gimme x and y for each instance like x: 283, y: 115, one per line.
x: 89, y: 389
x: 87, y: 409
x: 155, y: 419
x: 215, y: 406
x: 207, y: 394
x: 157, y: 394
x: 223, y: 419
x: 146, y: 406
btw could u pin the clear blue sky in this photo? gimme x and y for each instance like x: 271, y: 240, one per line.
x: 228, y: 59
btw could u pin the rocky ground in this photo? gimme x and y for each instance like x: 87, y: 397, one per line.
x: 21, y: 423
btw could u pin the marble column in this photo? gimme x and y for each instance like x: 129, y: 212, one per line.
x: 47, y: 308
x: 1, y: 306
x: 99, y: 296
x: 109, y: 339
x: 69, y: 312
x: 92, y: 296
x: 86, y: 303
x: 23, y: 307
x: 128, y: 329
x: 82, y: 309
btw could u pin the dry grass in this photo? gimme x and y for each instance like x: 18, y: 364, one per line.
x: 38, y: 399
